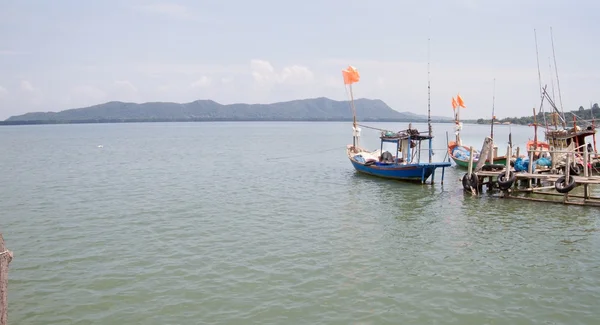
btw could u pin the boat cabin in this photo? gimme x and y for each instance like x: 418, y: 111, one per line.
x: 408, y: 146
x: 562, y: 139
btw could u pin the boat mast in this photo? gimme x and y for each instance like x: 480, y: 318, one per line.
x: 429, y: 93
x: 557, y: 80
x: 535, y: 138
x: 493, y: 116
x: 593, y: 127
x: 355, y: 135
x: 351, y: 76
x: 537, y: 57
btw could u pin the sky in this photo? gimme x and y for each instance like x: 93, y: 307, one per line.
x: 63, y: 54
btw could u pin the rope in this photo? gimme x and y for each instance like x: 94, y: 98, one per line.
x: 370, y: 127
x: 297, y: 156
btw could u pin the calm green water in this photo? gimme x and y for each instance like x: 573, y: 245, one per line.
x: 196, y: 223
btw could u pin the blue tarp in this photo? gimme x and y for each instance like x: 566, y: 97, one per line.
x: 463, y: 154
x: 522, y: 165
x: 543, y: 162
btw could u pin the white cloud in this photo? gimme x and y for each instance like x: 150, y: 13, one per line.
x: 126, y: 85
x: 123, y: 90
x: 264, y: 73
x: 203, y: 82
x: 401, y: 84
x: 85, y: 95
x: 3, y: 92
x: 27, y: 86
x: 297, y: 75
x: 172, y: 10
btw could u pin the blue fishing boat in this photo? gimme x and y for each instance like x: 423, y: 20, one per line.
x: 405, y: 164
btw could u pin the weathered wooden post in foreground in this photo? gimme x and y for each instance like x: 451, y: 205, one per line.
x: 5, y: 258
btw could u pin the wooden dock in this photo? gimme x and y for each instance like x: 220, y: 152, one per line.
x: 5, y: 257
x: 569, y: 183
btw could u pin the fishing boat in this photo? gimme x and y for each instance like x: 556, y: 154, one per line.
x: 559, y: 136
x: 404, y: 164
x: 405, y: 161
x: 460, y: 153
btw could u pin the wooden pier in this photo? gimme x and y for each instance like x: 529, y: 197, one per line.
x: 5, y: 257
x: 569, y: 182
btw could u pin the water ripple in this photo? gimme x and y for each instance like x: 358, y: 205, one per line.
x: 185, y: 224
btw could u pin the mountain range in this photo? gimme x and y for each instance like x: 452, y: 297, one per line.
x: 313, y: 109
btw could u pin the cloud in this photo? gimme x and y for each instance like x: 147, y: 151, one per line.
x: 171, y: 10
x: 123, y: 90
x: 3, y: 92
x: 27, y: 86
x: 126, y: 86
x: 264, y: 73
x: 85, y: 95
x: 401, y: 84
x: 203, y: 82
x: 296, y: 75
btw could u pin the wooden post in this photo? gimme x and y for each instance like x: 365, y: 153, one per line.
x: 530, y: 168
x: 508, y: 150
x: 5, y: 258
x: 485, y: 152
x: 470, y: 163
x: 507, y: 171
x: 586, y: 172
x: 567, y: 174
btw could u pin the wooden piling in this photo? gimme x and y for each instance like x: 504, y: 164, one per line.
x: 530, y: 167
x: 5, y: 258
x: 586, y: 171
x: 470, y: 169
x: 567, y: 174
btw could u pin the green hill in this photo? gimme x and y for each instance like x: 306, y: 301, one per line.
x: 581, y: 113
x: 314, y: 109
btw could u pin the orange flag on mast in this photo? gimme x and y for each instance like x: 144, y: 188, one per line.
x: 460, y: 101
x: 351, y: 75
x: 454, y: 104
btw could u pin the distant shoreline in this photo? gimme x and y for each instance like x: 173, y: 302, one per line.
x: 116, y: 121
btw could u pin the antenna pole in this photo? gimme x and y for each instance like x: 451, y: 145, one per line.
x: 493, y: 117
x: 551, y: 79
x: 557, y: 80
x: 429, y: 93
x: 537, y: 57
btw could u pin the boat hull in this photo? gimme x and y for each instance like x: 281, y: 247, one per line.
x: 464, y: 163
x: 419, y: 172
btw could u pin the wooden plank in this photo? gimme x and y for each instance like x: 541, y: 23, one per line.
x: 484, y: 154
x: 5, y: 258
x: 585, y: 203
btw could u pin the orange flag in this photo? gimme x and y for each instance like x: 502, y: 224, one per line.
x: 454, y: 104
x: 351, y: 75
x: 460, y: 101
